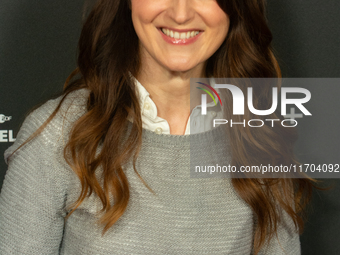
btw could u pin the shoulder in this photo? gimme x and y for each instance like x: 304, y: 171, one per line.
x: 39, y: 183
x: 55, y: 132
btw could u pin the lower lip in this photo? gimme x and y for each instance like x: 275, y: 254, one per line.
x: 174, y: 41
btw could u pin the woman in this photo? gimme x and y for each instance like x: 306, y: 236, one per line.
x: 104, y: 168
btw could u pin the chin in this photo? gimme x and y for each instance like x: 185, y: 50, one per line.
x: 181, y: 66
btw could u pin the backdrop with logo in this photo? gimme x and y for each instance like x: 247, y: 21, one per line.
x: 38, y: 42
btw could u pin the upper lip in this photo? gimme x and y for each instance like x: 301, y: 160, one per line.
x: 182, y: 30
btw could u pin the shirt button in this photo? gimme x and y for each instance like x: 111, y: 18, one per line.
x: 213, y: 114
x: 147, y: 106
x: 158, y: 130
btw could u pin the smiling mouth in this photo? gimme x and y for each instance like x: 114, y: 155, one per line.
x: 178, y: 35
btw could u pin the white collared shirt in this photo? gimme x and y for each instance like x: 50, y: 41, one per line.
x: 159, y: 125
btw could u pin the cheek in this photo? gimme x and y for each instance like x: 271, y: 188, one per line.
x: 220, y: 31
x: 221, y: 22
x: 137, y: 12
x: 223, y: 27
x: 216, y: 18
x: 145, y: 11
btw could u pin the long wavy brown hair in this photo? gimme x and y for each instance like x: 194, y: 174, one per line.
x: 108, y: 53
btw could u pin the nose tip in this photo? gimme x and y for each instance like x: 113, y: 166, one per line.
x: 181, y: 11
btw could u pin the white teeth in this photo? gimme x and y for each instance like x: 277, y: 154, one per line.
x: 177, y: 35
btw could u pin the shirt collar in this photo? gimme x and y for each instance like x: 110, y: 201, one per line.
x: 149, y: 108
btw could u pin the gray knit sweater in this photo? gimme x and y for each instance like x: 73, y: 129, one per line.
x: 186, y: 216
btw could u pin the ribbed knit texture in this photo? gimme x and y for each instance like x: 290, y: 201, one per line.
x: 186, y: 216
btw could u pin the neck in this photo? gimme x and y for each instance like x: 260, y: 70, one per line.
x: 170, y: 90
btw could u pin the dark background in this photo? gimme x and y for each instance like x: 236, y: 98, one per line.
x: 38, y: 40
